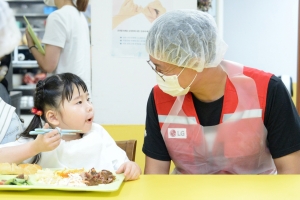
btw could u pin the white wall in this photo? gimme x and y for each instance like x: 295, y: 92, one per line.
x: 262, y: 34
x: 120, y: 86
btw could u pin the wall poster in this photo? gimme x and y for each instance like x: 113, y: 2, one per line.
x: 131, y: 21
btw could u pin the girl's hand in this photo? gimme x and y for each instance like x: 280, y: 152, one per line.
x: 48, y: 141
x: 130, y: 169
x: 29, y: 39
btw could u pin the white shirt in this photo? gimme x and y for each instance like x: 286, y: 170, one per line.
x: 68, y: 28
x: 6, y: 113
x: 95, y: 149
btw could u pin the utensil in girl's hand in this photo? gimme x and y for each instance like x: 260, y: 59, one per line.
x: 61, y: 131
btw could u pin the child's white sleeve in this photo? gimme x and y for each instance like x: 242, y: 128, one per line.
x: 116, y: 155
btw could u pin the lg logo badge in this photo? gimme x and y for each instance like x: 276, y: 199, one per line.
x: 173, y: 133
x: 176, y: 132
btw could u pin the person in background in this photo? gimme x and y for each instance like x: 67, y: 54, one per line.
x: 66, y: 39
x: 63, y: 101
x: 10, y: 36
x: 213, y: 116
x: 4, y: 66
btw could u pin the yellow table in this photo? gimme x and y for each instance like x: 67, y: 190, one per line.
x: 186, y: 187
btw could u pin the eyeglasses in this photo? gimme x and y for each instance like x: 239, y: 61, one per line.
x: 154, y: 69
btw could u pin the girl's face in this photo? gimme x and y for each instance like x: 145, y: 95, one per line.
x: 78, y: 113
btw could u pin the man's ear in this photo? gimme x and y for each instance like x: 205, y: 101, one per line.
x: 52, y: 117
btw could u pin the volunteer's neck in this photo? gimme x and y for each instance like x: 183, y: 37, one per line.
x: 210, y: 84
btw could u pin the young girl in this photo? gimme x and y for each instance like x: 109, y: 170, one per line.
x: 63, y: 101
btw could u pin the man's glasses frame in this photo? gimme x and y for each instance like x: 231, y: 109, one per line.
x: 154, y: 69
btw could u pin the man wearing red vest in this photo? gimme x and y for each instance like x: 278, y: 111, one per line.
x: 209, y: 115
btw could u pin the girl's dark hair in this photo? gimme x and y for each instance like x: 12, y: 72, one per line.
x: 82, y: 5
x: 50, y: 93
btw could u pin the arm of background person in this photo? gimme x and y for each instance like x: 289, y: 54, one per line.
x: 153, y: 166
x: 289, y: 164
x: 17, y: 154
x: 23, y: 149
x: 49, y: 61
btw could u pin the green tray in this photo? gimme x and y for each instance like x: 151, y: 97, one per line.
x: 114, y: 186
x: 34, y: 37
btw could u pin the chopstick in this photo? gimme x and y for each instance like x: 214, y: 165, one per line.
x: 61, y: 131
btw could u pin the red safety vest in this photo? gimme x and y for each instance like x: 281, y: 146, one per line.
x: 230, y: 150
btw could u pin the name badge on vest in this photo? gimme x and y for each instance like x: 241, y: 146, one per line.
x: 177, y: 133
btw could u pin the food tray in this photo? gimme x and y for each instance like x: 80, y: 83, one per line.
x: 110, y: 187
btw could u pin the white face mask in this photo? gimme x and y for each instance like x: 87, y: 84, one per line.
x: 49, y: 2
x: 171, y: 85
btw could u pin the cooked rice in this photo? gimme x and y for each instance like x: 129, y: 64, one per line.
x: 49, y: 177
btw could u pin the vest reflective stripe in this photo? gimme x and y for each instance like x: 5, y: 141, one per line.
x: 176, y: 119
x: 255, y: 113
